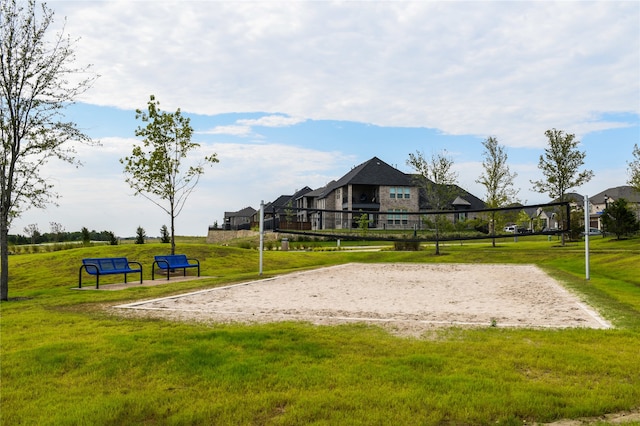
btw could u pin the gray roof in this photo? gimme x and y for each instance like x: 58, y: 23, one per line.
x: 246, y: 212
x: 627, y: 192
x: 459, y: 201
x: 374, y: 172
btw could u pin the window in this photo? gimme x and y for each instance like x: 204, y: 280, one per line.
x: 394, y: 218
x: 399, y: 192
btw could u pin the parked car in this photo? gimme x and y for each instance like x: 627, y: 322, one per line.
x: 593, y: 231
x: 511, y: 228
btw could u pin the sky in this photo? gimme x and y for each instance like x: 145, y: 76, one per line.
x: 290, y: 94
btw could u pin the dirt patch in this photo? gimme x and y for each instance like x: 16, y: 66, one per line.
x: 623, y: 417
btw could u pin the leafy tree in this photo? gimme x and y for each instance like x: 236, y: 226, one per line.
x: 154, y: 168
x: 619, y: 219
x: 577, y: 224
x: 164, y: 235
x: 560, y: 166
x: 288, y: 212
x: 438, y: 181
x: 496, y: 178
x: 363, y: 223
x: 634, y: 169
x: 86, y: 236
x: 111, y: 238
x: 140, y: 235
x: 37, y: 82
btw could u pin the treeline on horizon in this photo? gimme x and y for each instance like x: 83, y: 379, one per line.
x: 59, y: 237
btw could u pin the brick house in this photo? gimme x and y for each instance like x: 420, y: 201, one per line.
x: 383, y: 192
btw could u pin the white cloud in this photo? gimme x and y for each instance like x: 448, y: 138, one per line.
x: 232, y: 129
x: 507, y: 69
x: 244, y: 127
x: 272, y: 121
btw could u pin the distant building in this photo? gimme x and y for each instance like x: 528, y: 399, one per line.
x: 600, y: 201
x: 375, y: 188
x: 234, y: 221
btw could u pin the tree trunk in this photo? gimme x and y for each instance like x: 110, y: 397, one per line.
x: 173, y: 231
x: 437, y: 236
x: 493, y: 228
x: 4, y: 257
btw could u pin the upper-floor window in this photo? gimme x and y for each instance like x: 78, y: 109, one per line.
x: 400, y: 192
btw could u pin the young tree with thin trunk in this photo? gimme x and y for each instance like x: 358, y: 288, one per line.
x: 155, y: 170
x: 37, y: 82
x: 497, y: 178
x: 560, y: 166
x: 438, y: 181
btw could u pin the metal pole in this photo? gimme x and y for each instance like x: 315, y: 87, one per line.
x: 587, y: 226
x: 261, y: 233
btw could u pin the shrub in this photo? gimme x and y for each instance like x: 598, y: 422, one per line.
x: 406, y: 245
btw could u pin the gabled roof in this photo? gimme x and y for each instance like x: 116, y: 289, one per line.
x: 374, y: 172
x: 574, y: 197
x: 627, y: 192
x: 246, y: 212
x: 284, y: 201
x: 459, y: 201
x: 326, y: 190
x: 460, y: 198
x: 278, y: 204
x: 300, y: 193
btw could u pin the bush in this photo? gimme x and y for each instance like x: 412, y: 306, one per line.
x: 406, y: 245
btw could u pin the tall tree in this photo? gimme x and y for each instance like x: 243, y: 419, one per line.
x: 560, y: 166
x: 496, y: 178
x: 438, y: 181
x: 38, y: 80
x: 634, y: 169
x: 154, y: 169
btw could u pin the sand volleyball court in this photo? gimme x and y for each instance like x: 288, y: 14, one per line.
x: 405, y: 298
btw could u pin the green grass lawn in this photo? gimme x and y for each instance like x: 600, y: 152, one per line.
x: 67, y: 360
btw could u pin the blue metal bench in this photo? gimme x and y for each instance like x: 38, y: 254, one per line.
x: 108, y: 266
x: 173, y: 262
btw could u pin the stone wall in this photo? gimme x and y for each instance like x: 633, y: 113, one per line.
x: 216, y: 236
